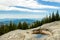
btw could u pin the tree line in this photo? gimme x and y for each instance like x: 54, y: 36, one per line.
x: 4, y: 28
x: 51, y: 18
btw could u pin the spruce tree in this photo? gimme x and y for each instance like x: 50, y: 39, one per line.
x: 19, y: 26
x: 2, y: 30
x: 37, y: 23
x: 14, y: 26
x: 53, y: 17
x: 57, y: 16
x: 24, y: 25
x: 7, y: 27
x: 10, y: 26
x: 50, y: 18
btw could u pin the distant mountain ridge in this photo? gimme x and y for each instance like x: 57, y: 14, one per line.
x: 16, y: 20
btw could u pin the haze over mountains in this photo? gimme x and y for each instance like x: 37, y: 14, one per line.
x: 7, y: 20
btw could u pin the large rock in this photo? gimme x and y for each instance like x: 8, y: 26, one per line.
x: 17, y: 35
x: 53, y: 29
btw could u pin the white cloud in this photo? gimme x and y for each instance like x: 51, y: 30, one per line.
x: 26, y: 10
x: 25, y: 3
x: 52, y: 0
x: 20, y: 16
x: 2, y: 7
x: 8, y: 5
x: 5, y: 5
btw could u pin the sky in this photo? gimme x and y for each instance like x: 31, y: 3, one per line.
x: 30, y: 9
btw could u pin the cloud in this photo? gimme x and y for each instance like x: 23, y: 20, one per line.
x: 26, y: 10
x: 33, y: 4
x: 52, y: 0
x: 2, y: 7
x: 24, y: 3
x: 8, y: 5
x: 20, y: 16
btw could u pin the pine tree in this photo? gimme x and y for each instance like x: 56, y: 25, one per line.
x: 57, y: 15
x: 50, y: 18
x: 32, y: 26
x: 37, y: 23
x: 2, y: 29
x: 7, y: 27
x: 14, y: 26
x: 53, y: 17
x: 24, y: 25
x: 19, y: 26
x: 46, y: 20
x: 11, y: 26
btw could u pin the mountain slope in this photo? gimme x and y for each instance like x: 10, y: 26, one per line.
x: 53, y: 28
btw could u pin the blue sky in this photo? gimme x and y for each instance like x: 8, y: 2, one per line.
x: 31, y: 9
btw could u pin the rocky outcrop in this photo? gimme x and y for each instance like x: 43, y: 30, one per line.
x: 41, y: 31
x: 17, y: 35
x: 54, y: 28
x: 50, y: 31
